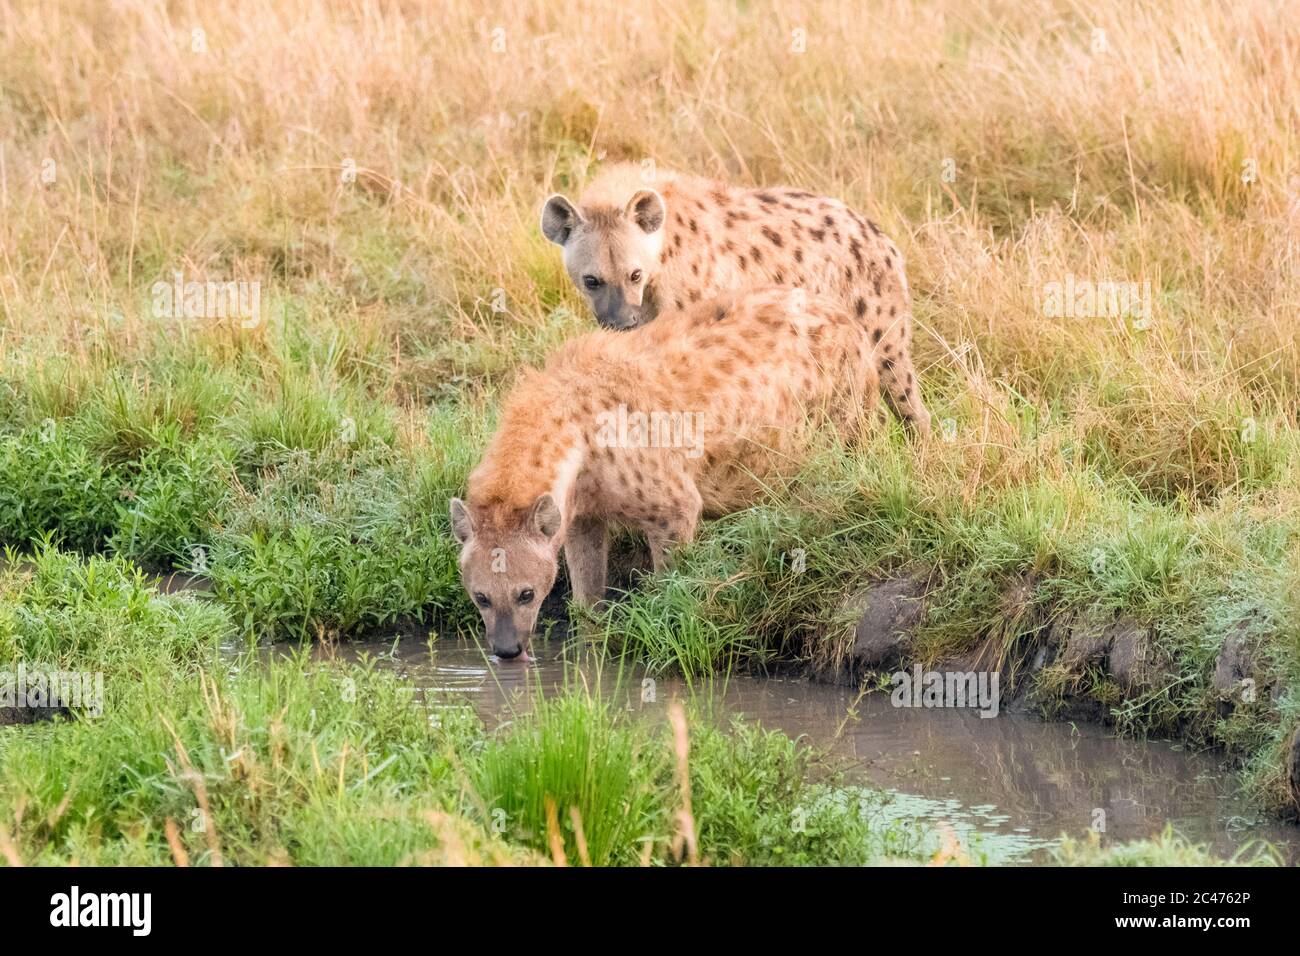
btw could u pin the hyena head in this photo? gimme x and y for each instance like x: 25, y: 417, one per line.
x: 611, y: 254
x: 508, y: 568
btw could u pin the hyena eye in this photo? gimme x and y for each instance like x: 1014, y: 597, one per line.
x: 636, y: 275
x: 526, y: 596
x: 591, y: 282
x: 481, y: 599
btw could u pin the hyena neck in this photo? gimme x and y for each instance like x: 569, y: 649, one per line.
x: 530, y: 457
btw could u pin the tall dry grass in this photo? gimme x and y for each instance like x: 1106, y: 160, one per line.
x: 1104, y: 140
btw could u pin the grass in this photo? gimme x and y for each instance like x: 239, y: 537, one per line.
x: 205, y: 754
x: 1085, y: 464
x: 202, y: 757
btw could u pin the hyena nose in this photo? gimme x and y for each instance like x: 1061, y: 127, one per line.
x: 621, y: 322
x: 509, y: 653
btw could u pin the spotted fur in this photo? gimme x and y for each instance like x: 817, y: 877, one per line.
x: 762, y: 370
x: 636, y: 248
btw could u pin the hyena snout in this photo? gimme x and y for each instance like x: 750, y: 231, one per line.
x: 616, y: 308
x: 506, y: 640
x: 622, y: 322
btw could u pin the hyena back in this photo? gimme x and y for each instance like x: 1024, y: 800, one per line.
x: 635, y: 251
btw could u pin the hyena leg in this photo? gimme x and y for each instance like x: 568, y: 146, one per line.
x: 673, y: 523
x: 858, y: 405
x: 586, y: 552
x: 902, y: 391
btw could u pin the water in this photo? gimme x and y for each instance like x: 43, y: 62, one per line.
x: 1009, y: 786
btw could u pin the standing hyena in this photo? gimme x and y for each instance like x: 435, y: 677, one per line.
x: 691, y: 415
x: 635, y: 251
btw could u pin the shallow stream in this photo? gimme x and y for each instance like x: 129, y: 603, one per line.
x: 1009, y: 785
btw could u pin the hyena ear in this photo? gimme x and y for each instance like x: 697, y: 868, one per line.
x: 462, y: 524
x: 646, y: 209
x: 546, y: 517
x: 559, y: 219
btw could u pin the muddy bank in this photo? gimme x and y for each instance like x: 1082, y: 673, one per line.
x: 1059, y: 663
x: 11, y: 716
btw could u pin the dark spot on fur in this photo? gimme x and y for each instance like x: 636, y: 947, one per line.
x: 773, y: 236
x: 860, y: 308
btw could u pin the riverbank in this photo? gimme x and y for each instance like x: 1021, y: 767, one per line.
x: 204, y: 753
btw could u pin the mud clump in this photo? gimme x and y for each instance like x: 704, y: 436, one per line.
x: 1293, y: 769
x: 1122, y: 648
x: 12, y: 716
x: 1132, y: 660
x: 1235, y: 665
x: 889, y: 613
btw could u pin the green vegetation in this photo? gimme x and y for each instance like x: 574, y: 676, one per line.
x: 206, y: 756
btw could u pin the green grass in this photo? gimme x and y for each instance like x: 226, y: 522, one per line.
x: 257, y: 761
x: 1166, y: 849
x: 211, y: 755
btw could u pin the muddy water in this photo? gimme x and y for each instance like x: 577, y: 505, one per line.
x: 1009, y: 785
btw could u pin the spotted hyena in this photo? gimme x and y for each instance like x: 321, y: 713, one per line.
x: 692, y: 415
x: 635, y: 250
